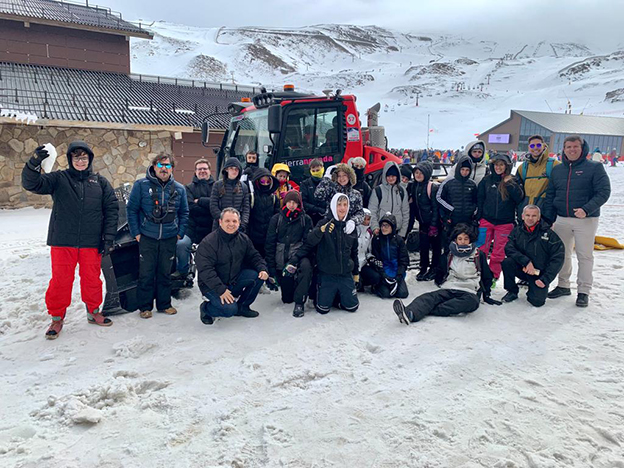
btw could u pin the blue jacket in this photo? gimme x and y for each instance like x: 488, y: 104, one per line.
x: 141, y: 205
x: 576, y: 184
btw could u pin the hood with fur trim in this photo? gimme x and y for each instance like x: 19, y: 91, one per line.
x: 347, y: 170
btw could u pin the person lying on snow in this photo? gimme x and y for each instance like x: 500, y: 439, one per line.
x: 388, y: 262
x: 463, y: 279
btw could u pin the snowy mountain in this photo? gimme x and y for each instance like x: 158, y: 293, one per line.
x: 465, y: 84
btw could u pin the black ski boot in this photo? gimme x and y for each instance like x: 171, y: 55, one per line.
x: 402, y: 313
x: 298, y: 310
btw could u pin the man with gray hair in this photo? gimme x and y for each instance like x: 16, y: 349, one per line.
x: 534, y: 254
x: 577, y: 189
x: 230, y: 270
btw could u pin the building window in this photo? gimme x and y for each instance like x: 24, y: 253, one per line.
x: 529, y: 128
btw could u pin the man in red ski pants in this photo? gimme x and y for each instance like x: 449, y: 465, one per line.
x: 82, y: 227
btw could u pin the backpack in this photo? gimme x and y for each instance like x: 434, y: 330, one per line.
x: 549, y: 167
x: 401, y: 191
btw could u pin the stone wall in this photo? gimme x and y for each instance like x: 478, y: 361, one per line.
x: 120, y: 155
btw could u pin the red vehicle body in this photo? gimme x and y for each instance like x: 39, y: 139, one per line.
x: 293, y: 128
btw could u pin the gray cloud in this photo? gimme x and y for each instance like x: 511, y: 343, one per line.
x: 596, y: 23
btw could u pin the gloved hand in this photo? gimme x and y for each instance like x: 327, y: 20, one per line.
x: 350, y: 227
x: 41, y: 153
x: 433, y: 231
x: 272, y: 284
x: 489, y: 300
x: 108, y: 247
x: 329, y: 225
x: 289, y: 270
x: 372, y: 261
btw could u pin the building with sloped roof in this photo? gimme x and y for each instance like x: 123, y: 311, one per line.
x: 604, y: 133
x: 65, y: 74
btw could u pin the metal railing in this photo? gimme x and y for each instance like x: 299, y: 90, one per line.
x: 71, y: 12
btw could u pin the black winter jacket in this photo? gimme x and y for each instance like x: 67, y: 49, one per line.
x: 200, y: 218
x: 336, y: 251
x: 457, y: 198
x: 423, y: 200
x: 221, y: 257
x: 576, y: 184
x: 230, y: 194
x: 491, y: 205
x: 313, y: 206
x: 391, y: 250
x: 265, y: 204
x: 285, y: 236
x: 85, y: 208
x: 542, y: 247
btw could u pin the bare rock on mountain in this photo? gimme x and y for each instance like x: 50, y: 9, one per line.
x: 257, y: 54
x: 207, y: 68
x: 617, y: 95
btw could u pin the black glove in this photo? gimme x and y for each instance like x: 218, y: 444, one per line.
x: 272, y: 284
x: 41, y: 153
x: 489, y: 300
x: 372, y: 261
x: 107, y: 246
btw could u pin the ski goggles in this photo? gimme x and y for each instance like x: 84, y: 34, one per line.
x: 463, y: 249
x: 535, y: 145
x: 161, y: 165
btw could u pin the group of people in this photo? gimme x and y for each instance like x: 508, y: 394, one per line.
x: 334, y: 236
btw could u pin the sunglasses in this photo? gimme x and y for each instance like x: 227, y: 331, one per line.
x: 161, y: 165
x: 535, y: 145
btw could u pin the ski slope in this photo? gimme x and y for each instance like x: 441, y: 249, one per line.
x: 504, y: 387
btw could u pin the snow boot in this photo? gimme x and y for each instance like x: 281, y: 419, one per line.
x: 559, y: 292
x: 430, y: 275
x: 582, y: 300
x: 246, y: 311
x: 421, y: 275
x: 146, y: 314
x: 169, y: 311
x: 510, y: 297
x: 298, y: 310
x: 96, y: 318
x: 54, y: 330
x: 203, y: 314
x: 402, y: 313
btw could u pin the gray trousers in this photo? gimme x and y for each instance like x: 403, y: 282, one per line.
x: 577, y: 234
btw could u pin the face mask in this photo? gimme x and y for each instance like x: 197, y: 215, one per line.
x: 359, y: 173
x: 317, y: 172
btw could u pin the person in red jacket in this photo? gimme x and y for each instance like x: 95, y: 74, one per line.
x: 82, y: 227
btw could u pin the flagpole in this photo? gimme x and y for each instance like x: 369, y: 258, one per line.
x: 428, y: 130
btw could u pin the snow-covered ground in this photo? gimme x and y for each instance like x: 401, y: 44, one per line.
x: 504, y: 387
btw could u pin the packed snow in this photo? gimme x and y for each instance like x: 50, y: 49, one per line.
x: 505, y: 387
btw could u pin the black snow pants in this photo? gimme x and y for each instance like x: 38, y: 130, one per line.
x: 155, y: 260
x: 295, y: 288
x: 512, y: 270
x: 369, y: 276
x: 442, y: 303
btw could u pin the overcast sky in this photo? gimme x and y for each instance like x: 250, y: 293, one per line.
x: 589, y: 21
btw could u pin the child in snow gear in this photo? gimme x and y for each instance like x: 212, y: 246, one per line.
x: 251, y: 166
x: 365, y: 236
x: 406, y: 175
x: 388, y: 262
x: 534, y: 173
x: 230, y: 271
x: 341, y: 179
x: 457, y: 199
x: 264, y: 204
x: 498, y: 197
x: 200, y: 220
x: 287, y: 233
x: 425, y: 210
x: 82, y: 228
x: 475, y: 151
x: 315, y: 207
x: 463, y: 280
x: 157, y: 217
x: 535, y: 254
x: 358, y: 165
x: 390, y: 197
x: 577, y: 189
x: 281, y: 171
x: 335, y: 241
x: 230, y: 192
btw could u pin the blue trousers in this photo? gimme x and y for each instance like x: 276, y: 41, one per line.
x: 245, y: 287
x: 183, y: 255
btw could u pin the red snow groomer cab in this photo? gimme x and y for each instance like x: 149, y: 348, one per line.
x: 293, y: 128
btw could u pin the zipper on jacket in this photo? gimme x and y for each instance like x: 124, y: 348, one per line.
x: 161, y: 214
x: 568, y: 191
x: 82, y: 200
